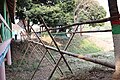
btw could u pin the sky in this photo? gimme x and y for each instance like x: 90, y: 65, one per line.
x: 104, y: 3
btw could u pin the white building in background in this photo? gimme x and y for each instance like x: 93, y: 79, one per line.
x: 36, y: 29
x: 16, y: 30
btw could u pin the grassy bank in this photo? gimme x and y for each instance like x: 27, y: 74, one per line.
x: 82, y: 45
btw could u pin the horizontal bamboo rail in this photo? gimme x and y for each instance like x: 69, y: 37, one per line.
x: 104, y: 63
x: 83, y: 31
x: 87, y: 22
x: 91, y: 31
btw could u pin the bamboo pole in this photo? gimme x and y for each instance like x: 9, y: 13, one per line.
x: 67, y: 45
x: 46, y: 58
x: 113, y: 9
x: 87, y: 22
x: 109, y: 30
x: 91, y: 31
x: 23, y: 57
x: 2, y: 19
x: 104, y: 63
x: 9, y: 61
x: 43, y: 55
x: 46, y: 27
x: 2, y: 71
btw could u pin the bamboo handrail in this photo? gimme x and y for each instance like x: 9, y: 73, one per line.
x: 4, y: 48
x: 104, y: 63
x: 2, y: 19
x: 109, y: 30
x: 87, y: 22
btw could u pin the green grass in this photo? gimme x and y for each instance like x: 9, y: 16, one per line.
x: 83, y: 46
x: 58, y: 35
x: 44, y: 34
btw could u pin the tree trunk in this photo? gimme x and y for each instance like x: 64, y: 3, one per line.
x: 116, y: 37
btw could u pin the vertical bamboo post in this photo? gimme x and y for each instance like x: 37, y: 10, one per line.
x: 113, y: 8
x: 9, y: 62
x: 2, y: 72
x: 58, y: 50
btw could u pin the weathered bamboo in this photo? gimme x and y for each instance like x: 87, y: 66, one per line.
x: 113, y: 9
x: 87, y: 22
x: 91, y: 31
x: 45, y: 57
x: 109, y: 30
x: 68, y: 43
x: 34, y: 48
x: 2, y: 71
x: 38, y: 66
x: 73, y: 34
x: 2, y: 19
x: 23, y: 57
x: 9, y: 60
x: 79, y: 56
x: 46, y: 27
x: 4, y: 48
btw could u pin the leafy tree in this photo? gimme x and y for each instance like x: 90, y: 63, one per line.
x: 55, y: 12
x: 59, y: 12
x: 89, y: 10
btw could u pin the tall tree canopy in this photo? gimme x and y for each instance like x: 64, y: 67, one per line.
x: 88, y: 10
x: 55, y: 12
x: 59, y: 12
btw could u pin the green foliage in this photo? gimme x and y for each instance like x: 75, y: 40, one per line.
x: 67, y: 5
x: 61, y: 13
x: 83, y: 46
x: 21, y: 7
x: 90, y: 11
x: 95, y: 13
